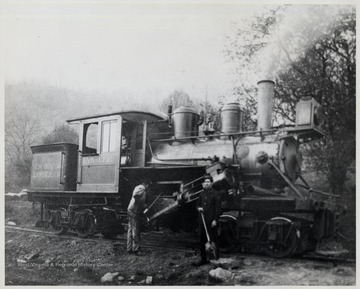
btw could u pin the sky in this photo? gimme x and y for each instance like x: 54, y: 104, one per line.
x: 145, y: 50
x: 142, y: 49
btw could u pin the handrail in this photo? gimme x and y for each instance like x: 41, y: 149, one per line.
x: 307, y: 186
x: 318, y: 192
x: 215, y: 135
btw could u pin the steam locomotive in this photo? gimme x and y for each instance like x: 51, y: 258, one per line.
x: 267, y: 205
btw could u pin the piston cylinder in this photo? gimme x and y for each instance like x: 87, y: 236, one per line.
x: 231, y: 118
x: 185, y: 122
x: 265, y: 103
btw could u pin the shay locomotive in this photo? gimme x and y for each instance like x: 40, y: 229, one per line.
x: 267, y: 205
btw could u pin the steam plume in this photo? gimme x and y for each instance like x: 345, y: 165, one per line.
x: 299, y: 29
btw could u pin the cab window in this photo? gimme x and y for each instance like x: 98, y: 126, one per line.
x: 90, y: 138
x: 108, y: 136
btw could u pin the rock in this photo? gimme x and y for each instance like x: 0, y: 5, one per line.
x: 332, y: 253
x: 142, y: 282
x: 11, y: 223
x: 32, y: 255
x: 76, y: 269
x: 21, y: 261
x: 132, y: 278
x: 221, y: 261
x: 73, y: 243
x: 121, y: 278
x: 49, y: 260
x: 21, y: 195
x: 9, y: 241
x: 109, y: 277
x: 247, y: 262
x: 221, y: 274
x: 149, y: 280
x: 36, y: 237
x: 226, y: 263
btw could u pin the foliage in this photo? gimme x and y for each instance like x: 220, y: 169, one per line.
x: 21, y: 132
x: 177, y: 98
x: 212, y: 120
x: 62, y: 133
x: 180, y: 98
x: 313, y: 55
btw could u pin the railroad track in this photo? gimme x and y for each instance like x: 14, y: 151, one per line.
x: 158, y: 242
x: 148, y: 242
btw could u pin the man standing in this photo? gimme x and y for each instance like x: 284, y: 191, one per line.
x: 209, y: 204
x: 135, y: 210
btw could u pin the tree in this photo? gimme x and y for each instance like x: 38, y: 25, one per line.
x: 211, y: 115
x: 21, y: 132
x: 316, y: 57
x: 177, y: 98
x: 62, y: 133
x: 180, y: 98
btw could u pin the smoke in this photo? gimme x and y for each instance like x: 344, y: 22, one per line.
x: 299, y: 29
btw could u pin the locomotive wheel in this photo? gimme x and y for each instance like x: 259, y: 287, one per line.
x: 229, y: 234
x: 286, y: 247
x: 87, y: 228
x: 54, y: 224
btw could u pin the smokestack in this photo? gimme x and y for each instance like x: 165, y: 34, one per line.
x: 265, y: 103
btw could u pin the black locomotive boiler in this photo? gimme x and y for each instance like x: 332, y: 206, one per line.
x: 267, y: 205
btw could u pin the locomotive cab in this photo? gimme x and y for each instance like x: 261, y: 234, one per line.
x: 108, y: 143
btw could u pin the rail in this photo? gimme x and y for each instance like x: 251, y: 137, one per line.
x: 218, y: 135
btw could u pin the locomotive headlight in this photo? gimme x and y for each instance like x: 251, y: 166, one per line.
x: 308, y: 112
x: 303, y: 113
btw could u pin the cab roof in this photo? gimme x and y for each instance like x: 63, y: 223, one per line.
x: 129, y: 116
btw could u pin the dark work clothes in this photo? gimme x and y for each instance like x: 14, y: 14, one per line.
x: 210, y: 201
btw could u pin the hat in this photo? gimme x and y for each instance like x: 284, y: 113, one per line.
x: 208, y: 177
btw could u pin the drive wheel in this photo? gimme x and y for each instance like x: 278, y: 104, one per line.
x: 86, y: 228
x: 53, y: 223
x: 285, y: 243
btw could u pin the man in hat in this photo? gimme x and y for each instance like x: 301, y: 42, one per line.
x: 135, y: 212
x: 209, y: 203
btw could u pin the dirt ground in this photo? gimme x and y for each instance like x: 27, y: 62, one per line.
x: 35, y: 259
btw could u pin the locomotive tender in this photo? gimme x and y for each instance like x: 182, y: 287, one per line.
x: 267, y: 205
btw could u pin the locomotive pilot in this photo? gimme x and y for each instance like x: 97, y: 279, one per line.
x: 135, y: 212
x: 209, y: 203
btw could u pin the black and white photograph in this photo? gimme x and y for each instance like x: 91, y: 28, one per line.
x: 178, y: 143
